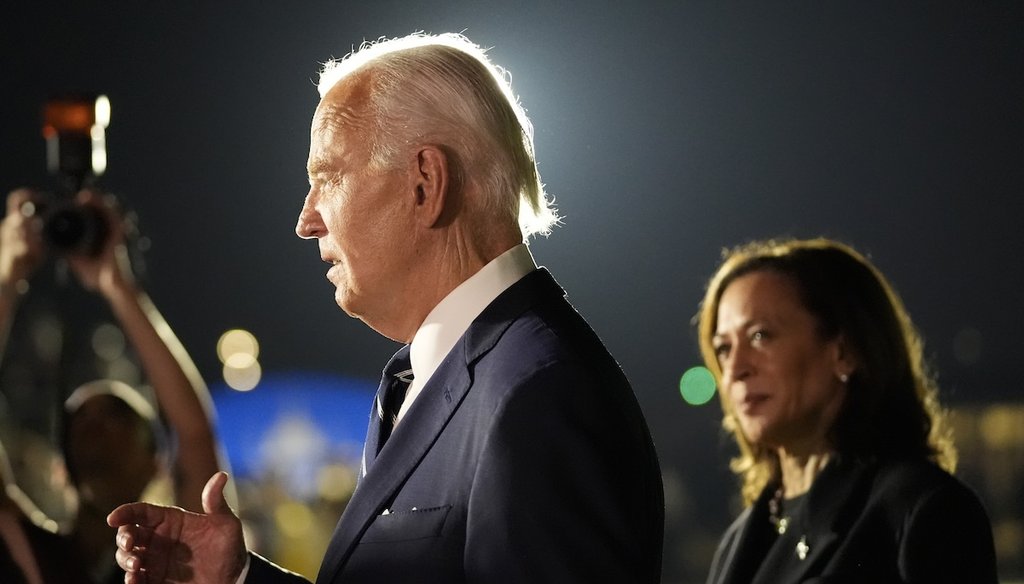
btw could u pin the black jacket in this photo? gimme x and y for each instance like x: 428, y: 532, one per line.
x: 892, y: 522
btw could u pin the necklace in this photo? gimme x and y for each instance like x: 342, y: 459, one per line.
x: 782, y: 522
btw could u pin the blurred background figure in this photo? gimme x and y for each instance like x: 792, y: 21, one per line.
x: 24, y: 528
x: 844, y: 453
x: 111, y: 435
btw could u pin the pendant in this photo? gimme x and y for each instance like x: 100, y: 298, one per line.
x: 802, y: 548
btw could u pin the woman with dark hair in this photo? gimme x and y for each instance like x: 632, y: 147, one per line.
x: 844, y: 454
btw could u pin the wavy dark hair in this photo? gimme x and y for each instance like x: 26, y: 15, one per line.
x: 891, y: 408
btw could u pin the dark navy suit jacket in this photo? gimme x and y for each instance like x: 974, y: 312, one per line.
x: 524, y: 459
x: 880, y: 523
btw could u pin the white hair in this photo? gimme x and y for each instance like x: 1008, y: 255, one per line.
x: 444, y: 89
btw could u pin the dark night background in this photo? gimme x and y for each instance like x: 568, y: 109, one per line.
x: 664, y: 131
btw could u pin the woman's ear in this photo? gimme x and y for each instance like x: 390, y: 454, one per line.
x: 845, y: 362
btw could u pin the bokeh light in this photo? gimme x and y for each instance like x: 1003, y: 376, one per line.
x: 335, y: 482
x: 697, y: 386
x: 108, y: 342
x: 238, y: 350
x: 237, y: 341
x: 293, y: 518
x: 243, y: 378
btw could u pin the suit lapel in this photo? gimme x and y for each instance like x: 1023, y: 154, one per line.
x: 742, y: 562
x: 397, y: 459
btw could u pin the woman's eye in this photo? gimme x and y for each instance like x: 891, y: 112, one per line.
x: 757, y: 336
x: 721, y: 351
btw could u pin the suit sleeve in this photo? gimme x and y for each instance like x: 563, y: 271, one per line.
x: 565, y: 488
x: 948, y: 538
x: 263, y: 571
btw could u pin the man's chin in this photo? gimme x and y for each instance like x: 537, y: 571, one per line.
x: 344, y: 302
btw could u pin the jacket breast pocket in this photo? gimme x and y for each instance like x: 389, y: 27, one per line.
x: 407, y: 525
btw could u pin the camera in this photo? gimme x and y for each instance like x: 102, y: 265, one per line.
x: 74, y: 128
x: 73, y: 229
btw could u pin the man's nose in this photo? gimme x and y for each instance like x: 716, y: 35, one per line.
x: 310, y: 225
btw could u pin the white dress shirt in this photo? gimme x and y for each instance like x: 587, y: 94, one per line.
x: 450, y: 319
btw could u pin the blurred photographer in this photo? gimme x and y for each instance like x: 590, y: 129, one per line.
x: 110, y: 431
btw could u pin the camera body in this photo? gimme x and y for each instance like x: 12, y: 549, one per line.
x: 73, y: 229
x: 74, y: 128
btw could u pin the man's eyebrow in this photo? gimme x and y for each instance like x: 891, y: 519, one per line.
x: 319, y: 167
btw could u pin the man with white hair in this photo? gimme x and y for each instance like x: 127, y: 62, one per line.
x: 505, y: 444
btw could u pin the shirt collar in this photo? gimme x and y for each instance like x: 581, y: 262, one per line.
x: 450, y: 319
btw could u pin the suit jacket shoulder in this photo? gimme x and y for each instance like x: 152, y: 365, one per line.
x: 939, y: 527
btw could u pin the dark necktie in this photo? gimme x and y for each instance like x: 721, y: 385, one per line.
x: 391, y: 403
x: 398, y: 367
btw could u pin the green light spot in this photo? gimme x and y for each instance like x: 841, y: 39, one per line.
x: 697, y: 386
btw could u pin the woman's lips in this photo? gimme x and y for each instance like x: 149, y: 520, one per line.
x: 751, y: 403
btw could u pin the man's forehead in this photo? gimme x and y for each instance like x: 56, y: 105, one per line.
x: 346, y: 99
x: 339, y: 116
x: 335, y: 137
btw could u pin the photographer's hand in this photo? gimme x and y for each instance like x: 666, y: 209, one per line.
x: 21, y: 252
x: 21, y: 242
x: 108, y: 272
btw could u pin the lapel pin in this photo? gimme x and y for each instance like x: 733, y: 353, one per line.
x: 802, y: 548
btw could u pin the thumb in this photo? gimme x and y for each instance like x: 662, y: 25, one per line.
x: 213, y: 495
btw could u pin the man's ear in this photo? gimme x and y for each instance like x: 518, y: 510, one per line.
x: 431, y: 184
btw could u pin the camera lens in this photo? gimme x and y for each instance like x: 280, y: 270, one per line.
x: 75, y: 229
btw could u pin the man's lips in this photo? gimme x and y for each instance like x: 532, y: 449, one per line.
x: 335, y: 267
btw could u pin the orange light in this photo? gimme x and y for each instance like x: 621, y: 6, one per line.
x: 68, y: 116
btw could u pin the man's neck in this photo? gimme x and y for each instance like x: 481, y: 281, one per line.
x: 448, y: 261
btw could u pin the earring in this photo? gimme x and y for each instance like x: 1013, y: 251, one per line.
x: 843, y: 377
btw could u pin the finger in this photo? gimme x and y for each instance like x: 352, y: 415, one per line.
x: 131, y: 536
x: 19, y: 197
x: 137, y: 514
x: 124, y: 539
x: 126, y: 560
x: 213, y: 494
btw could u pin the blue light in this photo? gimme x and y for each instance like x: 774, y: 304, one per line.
x: 332, y: 408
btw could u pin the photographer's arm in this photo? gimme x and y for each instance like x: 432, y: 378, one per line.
x: 21, y: 252
x: 180, y: 391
